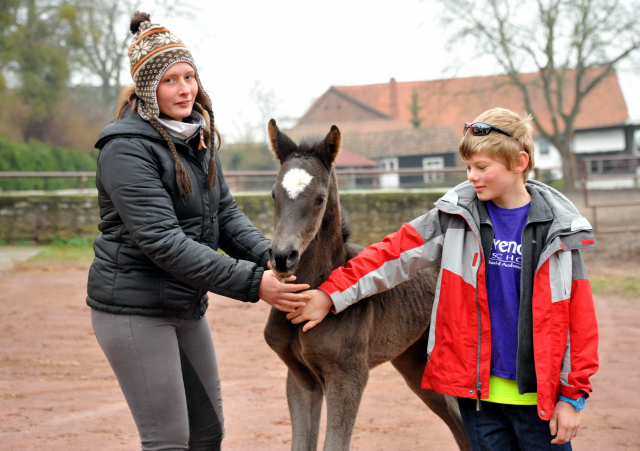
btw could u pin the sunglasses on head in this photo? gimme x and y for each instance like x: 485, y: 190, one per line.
x: 482, y: 129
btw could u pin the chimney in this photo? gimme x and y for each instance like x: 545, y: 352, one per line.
x: 393, y: 98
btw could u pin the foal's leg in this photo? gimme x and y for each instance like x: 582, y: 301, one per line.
x: 304, y: 396
x: 411, y: 364
x: 343, y: 391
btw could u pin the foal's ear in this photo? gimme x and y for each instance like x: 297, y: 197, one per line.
x: 331, y: 146
x: 281, y: 145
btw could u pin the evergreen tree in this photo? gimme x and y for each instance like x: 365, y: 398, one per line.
x: 415, y: 108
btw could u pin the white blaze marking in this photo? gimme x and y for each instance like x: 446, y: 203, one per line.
x: 295, y: 181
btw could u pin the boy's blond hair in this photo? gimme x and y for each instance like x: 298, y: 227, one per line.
x: 501, y: 147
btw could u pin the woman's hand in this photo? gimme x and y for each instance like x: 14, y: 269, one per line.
x: 283, y: 296
x: 316, y: 309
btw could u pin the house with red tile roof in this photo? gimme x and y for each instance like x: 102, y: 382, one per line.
x: 381, y: 113
x: 348, y: 160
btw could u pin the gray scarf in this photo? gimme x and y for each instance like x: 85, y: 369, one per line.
x: 184, y: 130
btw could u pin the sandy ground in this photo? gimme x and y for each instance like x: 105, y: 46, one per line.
x: 57, y: 391
x: 11, y: 255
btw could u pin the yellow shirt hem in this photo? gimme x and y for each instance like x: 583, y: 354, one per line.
x: 505, y: 391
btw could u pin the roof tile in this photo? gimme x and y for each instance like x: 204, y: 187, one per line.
x: 455, y: 101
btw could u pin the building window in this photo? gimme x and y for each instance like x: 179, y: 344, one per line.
x: 388, y: 164
x: 433, y: 163
x: 392, y: 179
x: 544, y: 148
x: 601, y: 167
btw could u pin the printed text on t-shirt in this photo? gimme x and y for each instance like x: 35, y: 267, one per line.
x: 506, y: 253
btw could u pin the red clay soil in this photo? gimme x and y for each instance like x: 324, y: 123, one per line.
x: 57, y: 391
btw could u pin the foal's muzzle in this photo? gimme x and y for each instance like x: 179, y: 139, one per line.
x: 284, y: 261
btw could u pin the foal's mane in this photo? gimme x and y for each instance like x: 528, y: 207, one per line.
x: 346, y: 229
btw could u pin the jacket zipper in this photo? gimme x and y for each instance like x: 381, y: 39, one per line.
x: 563, y: 232
x: 478, y: 383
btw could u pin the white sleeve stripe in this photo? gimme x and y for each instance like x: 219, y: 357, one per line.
x: 390, y: 274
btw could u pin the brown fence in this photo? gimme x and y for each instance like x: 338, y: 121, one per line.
x: 349, y: 179
x: 596, y: 169
x: 615, y: 171
x: 82, y: 175
x: 248, y: 181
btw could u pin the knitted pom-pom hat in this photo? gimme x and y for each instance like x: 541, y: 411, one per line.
x: 152, y: 51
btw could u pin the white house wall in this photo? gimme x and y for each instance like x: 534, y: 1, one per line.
x: 599, y: 141
x: 583, y: 143
x: 549, y: 161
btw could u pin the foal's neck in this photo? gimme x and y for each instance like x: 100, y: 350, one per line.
x: 326, y: 251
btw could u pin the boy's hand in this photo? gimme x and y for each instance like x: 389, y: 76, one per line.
x: 282, y: 296
x: 565, y: 423
x: 316, y: 309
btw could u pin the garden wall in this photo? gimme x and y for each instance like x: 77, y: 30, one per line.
x: 40, y: 217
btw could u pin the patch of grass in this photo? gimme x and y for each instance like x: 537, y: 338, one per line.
x: 557, y: 184
x: 77, y: 254
x: 68, y: 250
x: 76, y: 241
x: 623, y: 285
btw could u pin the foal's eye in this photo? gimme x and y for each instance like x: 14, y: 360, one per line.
x: 273, y: 195
x: 319, y: 201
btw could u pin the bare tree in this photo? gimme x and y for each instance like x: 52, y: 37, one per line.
x: 106, y: 39
x: 106, y: 27
x: 267, y: 103
x: 571, y: 44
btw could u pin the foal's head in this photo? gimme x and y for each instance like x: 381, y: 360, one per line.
x: 304, y: 191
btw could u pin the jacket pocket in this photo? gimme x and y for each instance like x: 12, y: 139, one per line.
x: 137, y: 287
x: 101, y: 281
x: 560, y: 276
x: 178, y: 295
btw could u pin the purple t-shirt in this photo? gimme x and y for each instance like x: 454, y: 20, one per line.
x: 503, y: 286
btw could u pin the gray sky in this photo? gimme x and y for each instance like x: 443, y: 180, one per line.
x: 296, y: 49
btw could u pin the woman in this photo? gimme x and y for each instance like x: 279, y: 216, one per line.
x: 165, y: 209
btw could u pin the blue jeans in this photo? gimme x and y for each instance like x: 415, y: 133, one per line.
x: 505, y: 427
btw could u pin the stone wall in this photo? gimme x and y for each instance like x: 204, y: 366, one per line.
x: 41, y: 217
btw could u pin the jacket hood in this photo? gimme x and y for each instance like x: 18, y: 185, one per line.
x: 566, y: 216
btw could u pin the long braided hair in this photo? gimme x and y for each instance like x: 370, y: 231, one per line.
x: 202, y: 105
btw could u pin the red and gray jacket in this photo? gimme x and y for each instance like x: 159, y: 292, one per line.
x: 557, y: 312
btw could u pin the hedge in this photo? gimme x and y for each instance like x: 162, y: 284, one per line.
x: 36, y: 156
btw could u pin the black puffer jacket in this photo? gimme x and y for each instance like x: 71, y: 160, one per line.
x: 156, y: 254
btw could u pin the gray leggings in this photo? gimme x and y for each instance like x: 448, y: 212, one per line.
x: 167, y: 370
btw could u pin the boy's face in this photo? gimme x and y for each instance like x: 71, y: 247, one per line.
x: 493, y: 181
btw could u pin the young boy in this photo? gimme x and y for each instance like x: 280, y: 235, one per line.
x: 513, y: 331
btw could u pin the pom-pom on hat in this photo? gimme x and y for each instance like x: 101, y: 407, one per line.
x: 152, y: 51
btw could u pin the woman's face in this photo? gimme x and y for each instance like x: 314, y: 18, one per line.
x: 177, y: 91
